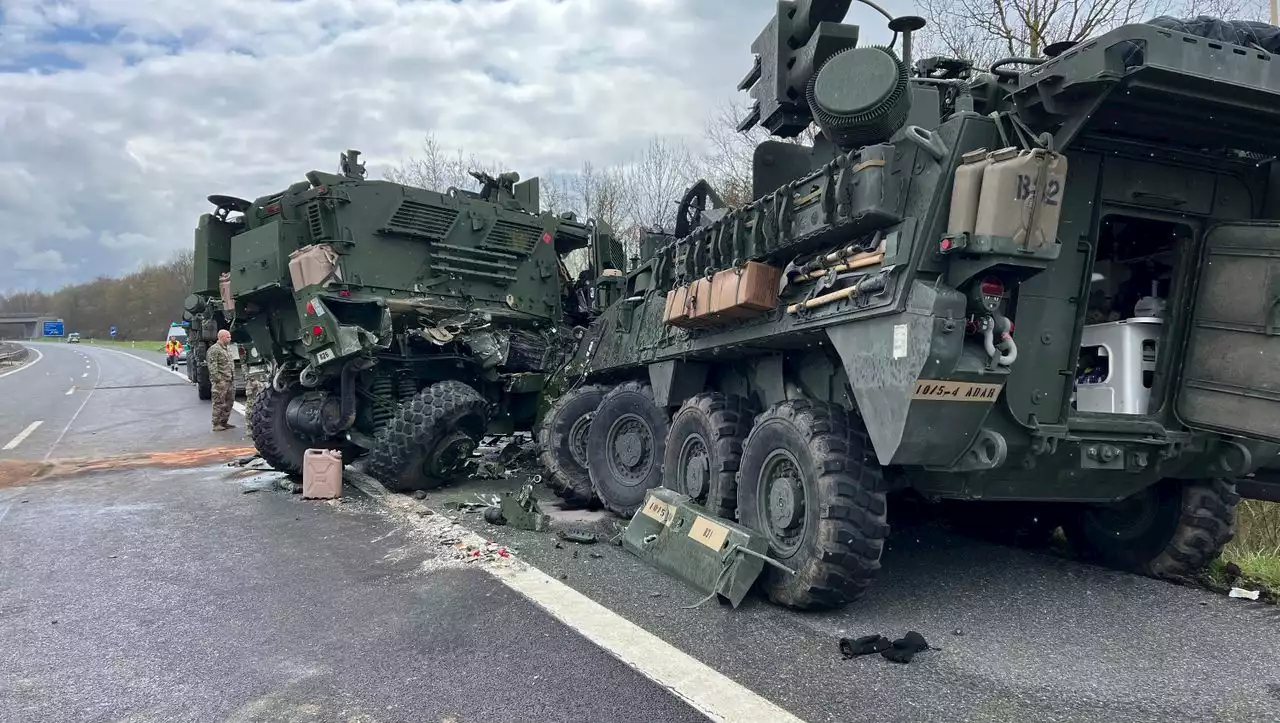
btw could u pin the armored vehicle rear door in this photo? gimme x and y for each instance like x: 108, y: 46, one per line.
x: 1230, y: 380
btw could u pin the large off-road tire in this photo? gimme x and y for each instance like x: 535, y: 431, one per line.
x: 430, y: 438
x: 704, y: 447
x: 204, y: 386
x: 810, y: 482
x: 1171, y: 530
x: 562, y: 435
x: 277, y: 444
x: 625, y: 447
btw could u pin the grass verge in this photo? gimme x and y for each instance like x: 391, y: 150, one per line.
x: 1255, y: 550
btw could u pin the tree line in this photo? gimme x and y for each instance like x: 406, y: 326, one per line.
x: 642, y: 192
x: 141, y: 305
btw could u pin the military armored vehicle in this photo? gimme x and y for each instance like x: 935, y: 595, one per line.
x: 851, y: 332
x: 400, y: 322
x: 202, y: 311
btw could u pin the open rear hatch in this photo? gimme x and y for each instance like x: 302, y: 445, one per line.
x: 1230, y: 379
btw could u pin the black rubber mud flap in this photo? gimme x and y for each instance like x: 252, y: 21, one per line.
x: 704, y: 448
x: 562, y: 435
x: 1171, y: 530
x: 277, y: 444
x: 626, y: 446
x: 437, y: 428
x: 810, y: 481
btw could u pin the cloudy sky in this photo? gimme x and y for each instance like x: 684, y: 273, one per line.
x: 119, y: 116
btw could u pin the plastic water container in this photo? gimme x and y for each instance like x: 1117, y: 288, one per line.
x: 322, y: 474
x: 966, y: 191
x: 1022, y: 197
x: 224, y: 290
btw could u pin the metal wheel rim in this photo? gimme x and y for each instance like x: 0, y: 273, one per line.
x: 780, y: 464
x: 577, y: 441
x: 449, y: 455
x: 629, y: 475
x: 693, y: 447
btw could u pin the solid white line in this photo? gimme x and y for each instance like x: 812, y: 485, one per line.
x: 71, y: 390
x: 28, y: 365
x: 23, y: 434
x: 82, y: 376
x: 237, y: 406
x: 4, y: 512
x: 710, y: 692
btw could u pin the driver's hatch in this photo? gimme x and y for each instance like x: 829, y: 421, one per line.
x: 1231, y: 369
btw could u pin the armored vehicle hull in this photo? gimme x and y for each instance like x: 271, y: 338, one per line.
x: 398, y: 322
x: 206, y: 319
x: 851, y: 333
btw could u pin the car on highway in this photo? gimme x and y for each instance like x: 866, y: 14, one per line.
x: 73, y: 337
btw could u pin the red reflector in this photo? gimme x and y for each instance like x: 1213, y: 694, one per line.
x: 991, y: 286
x: 320, y: 190
x: 317, y: 331
x: 546, y: 237
x: 311, y: 308
x: 946, y: 244
x: 273, y: 208
x: 344, y: 293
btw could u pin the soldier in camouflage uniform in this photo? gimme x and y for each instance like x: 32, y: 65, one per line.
x: 255, y: 380
x: 223, y: 380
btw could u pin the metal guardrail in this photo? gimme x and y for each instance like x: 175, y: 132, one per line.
x: 10, y: 353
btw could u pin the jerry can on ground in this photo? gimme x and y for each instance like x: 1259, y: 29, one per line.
x: 746, y: 291
x: 708, y: 553
x: 322, y: 474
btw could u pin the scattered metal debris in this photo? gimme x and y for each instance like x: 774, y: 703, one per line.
x: 520, y: 510
x: 582, y: 537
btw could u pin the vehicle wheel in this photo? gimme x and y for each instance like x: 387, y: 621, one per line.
x: 277, y: 444
x: 1171, y: 530
x: 704, y: 447
x: 625, y: 447
x: 562, y: 434
x: 809, y: 482
x: 430, y: 438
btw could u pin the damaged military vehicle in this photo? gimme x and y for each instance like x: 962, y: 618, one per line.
x: 401, y: 323
x: 851, y: 332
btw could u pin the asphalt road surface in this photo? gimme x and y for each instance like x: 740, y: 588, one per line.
x: 138, y: 582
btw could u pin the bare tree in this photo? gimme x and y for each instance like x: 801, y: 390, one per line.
x: 437, y: 169
x: 984, y: 30
x: 727, y: 162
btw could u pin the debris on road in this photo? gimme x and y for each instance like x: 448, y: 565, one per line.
x: 1242, y: 593
x: 902, y: 650
x: 905, y: 648
x: 520, y: 510
x: 865, y: 645
x: 582, y: 537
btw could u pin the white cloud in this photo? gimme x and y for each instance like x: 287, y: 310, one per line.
x: 109, y: 164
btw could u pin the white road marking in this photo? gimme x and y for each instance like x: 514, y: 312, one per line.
x: 75, y: 416
x: 710, y: 692
x: 4, y: 511
x: 82, y: 376
x: 237, y: 406
x: 71, y: 390
x: 24, y: 434
x: 28, y: 365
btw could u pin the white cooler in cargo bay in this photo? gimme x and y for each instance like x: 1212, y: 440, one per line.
x: 1126, y: 361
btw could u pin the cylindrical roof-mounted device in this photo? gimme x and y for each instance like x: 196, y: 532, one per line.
x: 859, y: 96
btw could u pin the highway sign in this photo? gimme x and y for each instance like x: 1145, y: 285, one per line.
x: 53, y: 328
x: 113, y: 332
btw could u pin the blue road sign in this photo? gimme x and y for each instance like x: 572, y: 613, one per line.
x: 113, y: 332
x: 53, y: 328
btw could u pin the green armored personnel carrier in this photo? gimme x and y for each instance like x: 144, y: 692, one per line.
x: 399, y: 322
x: 1050, y: 288
x: 202, y: 310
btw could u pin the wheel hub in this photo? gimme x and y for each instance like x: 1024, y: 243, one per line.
x: 630, y: 445
x: 695, y: 467
x: 450, y: 454
x: 786, y: 502
x: 578, y: 439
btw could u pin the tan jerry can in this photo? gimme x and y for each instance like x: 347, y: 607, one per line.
x: 224, y: 290
x: 745, y: 291
x: 322, y: 474
x: 314, y: 264
x: 1022, y: 197
x: 966, y: 191
x: 676, y: 312
x: 699, y: 305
